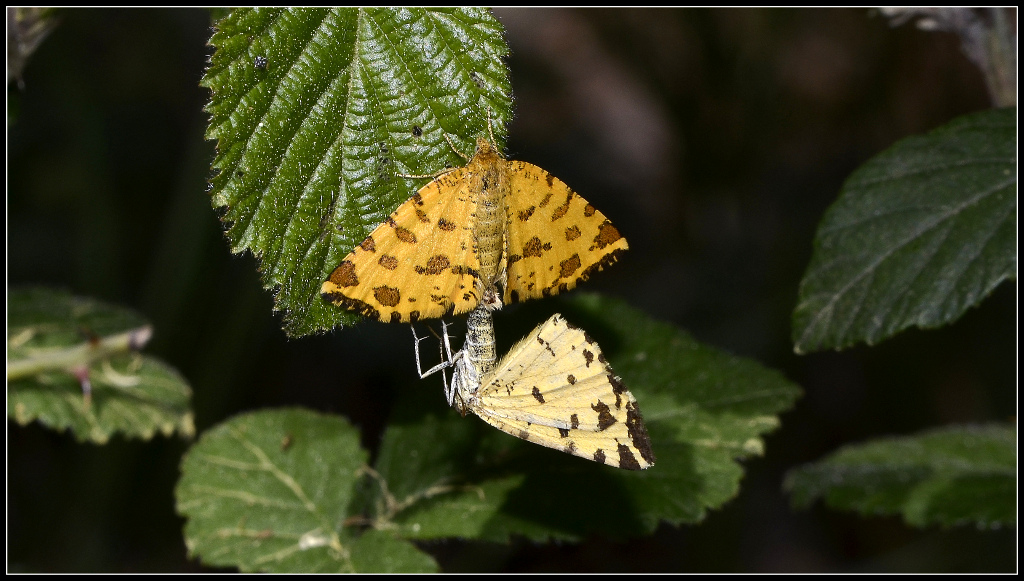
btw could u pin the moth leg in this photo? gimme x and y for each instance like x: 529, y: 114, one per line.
x: 456, y: 360
x: 439, y: 367
x: 447, y: 360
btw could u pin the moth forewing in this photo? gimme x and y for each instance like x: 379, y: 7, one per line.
x: 555, y: 238
x: 417, y: 264
x: 555, y: 388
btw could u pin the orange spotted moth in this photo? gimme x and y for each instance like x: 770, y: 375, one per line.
x: 553, y: 388
x: 507, y: 226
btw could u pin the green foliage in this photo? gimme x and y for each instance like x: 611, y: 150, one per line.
x: 948, y: 476
x: 315, y: 111
x: 255, y: 488
x: 269, y: 491
x: 54, y: 338
x: 919, y: 234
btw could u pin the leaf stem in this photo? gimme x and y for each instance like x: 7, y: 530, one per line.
x: 78, y: 356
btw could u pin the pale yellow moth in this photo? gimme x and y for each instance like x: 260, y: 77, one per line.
x: 553, y: 388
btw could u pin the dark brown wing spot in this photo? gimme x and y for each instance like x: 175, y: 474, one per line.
x: 533, y: 247
x: 387, y: 261
x: 571, y: 379
x: 445, y: 225
x: 570, y: 448
x: 435, y: 265
x: 368, y: 244
x: 563, y: 432
x: 417, y: 199
x: 523, y: 434
x: 387, y: 296
x: 589, y: 356
x: 345, y: 274
x: 550, y: 179
x: 604, y: 415
x: 606, y: 234
x: 544, y: 202
x: 617, y: 386
x: 524, y: 215
x: 537, y: 395
x: 422, y: 216
x: 572, y: 233
x: 626, y: 458
x: 569, y: 266
x: 561, y: 210
x: 599, y: 456
x: 546, y: 345
x: 589, y: 211
x: 574, y: 421
x: 638, y: 432
x: 405, y: 235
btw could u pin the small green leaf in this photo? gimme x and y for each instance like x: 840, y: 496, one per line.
x: 919, y: 234
x: 270, y: 490
x: 948, y: 476
x: 315, y: 111
x: 58, y: 343
x: 443, y: 475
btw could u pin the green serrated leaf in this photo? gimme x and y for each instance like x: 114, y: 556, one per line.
x: 269, y: 491
x: 948, y: 476
x: 704, y: 410
x: 919, y: 234
x: 315, y: 111
x: 56, y: 343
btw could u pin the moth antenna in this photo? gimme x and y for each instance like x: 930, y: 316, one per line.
x: 455, y: 149
x: 490, y: 129
x: 427, y: 175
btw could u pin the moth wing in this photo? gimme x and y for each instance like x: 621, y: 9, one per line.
x: 555, y: 238
x: 419, y: 263
x: 555, y: 388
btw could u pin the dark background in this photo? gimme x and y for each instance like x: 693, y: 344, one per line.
x: 715, y: 139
